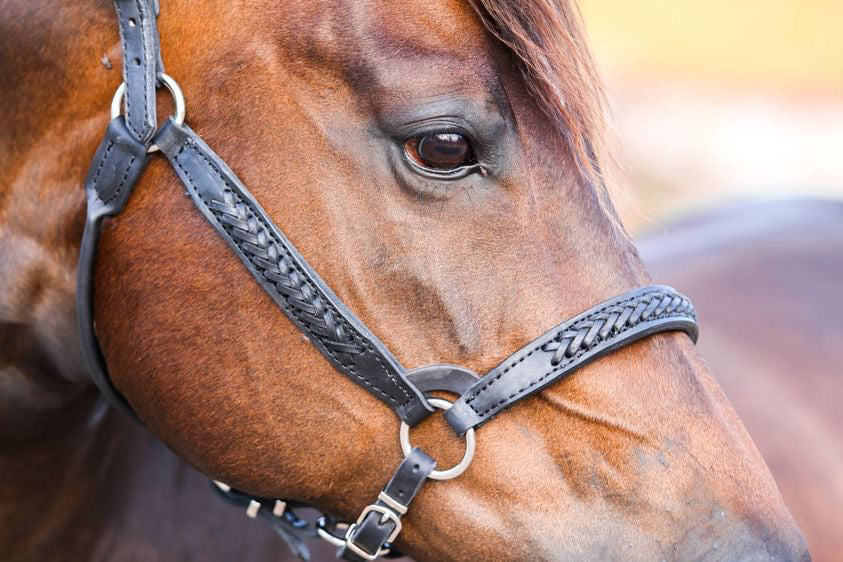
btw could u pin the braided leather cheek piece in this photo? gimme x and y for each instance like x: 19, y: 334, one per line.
x: 274, y: 265
x: 285, y: 275
x: 603, y: 324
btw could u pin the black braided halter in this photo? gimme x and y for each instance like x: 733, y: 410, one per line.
x: 314, y: 308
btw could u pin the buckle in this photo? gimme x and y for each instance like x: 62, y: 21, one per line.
x: 386, y: 515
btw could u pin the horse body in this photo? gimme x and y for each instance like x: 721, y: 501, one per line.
x: 639, y: 455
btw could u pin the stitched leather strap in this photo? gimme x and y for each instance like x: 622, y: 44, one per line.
x: 571, y: 345
x: 380, y: 522
x: 285, y: 275
x: 141, y: 64
x: 117, y: 165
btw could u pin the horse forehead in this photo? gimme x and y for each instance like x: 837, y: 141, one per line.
x: 443, y: 27
x: 383, y: 30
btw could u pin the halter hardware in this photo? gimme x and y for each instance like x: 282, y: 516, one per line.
x: 470, y: 444
x: 344, y: 539
x: 310, y: 304
x: 172, y: 86
x: 387, y: 516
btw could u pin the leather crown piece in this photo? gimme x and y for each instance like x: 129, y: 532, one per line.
x: 312, y: 306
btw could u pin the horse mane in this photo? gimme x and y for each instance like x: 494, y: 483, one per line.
x: 547, y: 39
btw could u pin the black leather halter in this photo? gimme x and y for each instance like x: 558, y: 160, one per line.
x: 314, y: 308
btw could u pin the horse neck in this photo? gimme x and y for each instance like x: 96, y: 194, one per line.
x: 55, y: 97
x: 52, y: 115
x: 52, y: 435
x: 106, y: 489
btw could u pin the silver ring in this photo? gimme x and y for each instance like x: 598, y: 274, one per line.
x: 170, y: 84
x: 470, y: 442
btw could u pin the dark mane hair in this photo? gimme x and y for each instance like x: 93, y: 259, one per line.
x: 547, y: 39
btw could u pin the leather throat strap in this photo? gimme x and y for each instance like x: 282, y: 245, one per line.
x: 118, y: 163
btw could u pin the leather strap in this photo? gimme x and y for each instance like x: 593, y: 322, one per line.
x: 279, y: 514
x: 571, y: 345
x: 285, y: 275
x: 450, y: 378
x: 380, y: 522
x: 118, y: 163
x: 141, y: 64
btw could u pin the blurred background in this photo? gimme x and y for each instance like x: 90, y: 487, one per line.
x: 716, y: 100
x: 717, y: 105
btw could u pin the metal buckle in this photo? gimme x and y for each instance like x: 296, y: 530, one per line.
x: 386, y: 515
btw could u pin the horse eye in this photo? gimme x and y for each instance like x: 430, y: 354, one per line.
x: 440, y: 151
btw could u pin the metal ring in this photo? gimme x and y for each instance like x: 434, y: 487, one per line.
x: 453, y: 472
x: 170, y: 84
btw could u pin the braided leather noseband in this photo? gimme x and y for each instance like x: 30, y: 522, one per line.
x: 311, y: 305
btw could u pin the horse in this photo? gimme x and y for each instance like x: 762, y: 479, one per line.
x: 442, y: 167
x: 775, y: 266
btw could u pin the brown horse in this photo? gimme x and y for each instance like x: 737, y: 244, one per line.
x: 637, y: 456
x: 766, y: 280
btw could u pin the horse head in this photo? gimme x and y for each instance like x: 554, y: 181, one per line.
x: 437, y: 165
